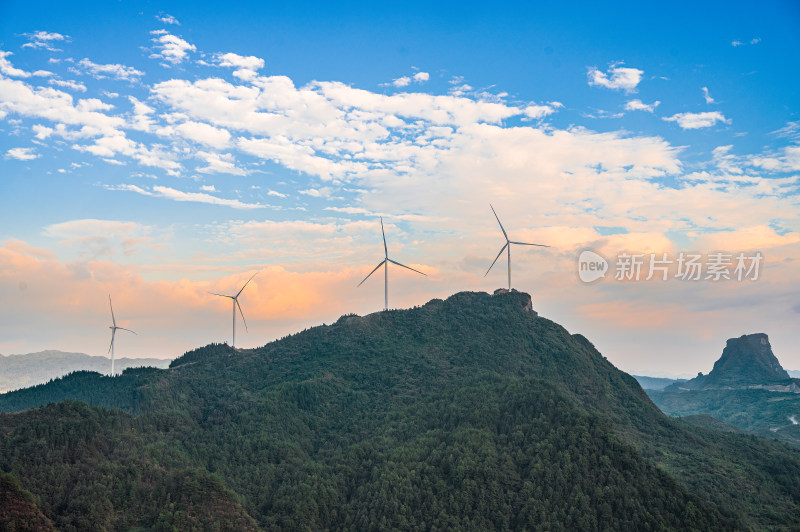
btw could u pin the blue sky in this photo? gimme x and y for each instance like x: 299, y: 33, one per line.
x: 161, y: 151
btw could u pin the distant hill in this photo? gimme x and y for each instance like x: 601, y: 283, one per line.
x: 21, y: 371
x: 745, y: 361
x: 748, y: 388
x: 793, y: 373
x: 655, y: 383
x: 471, y: 413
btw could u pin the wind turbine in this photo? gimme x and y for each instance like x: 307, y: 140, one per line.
x: 507, y: 246
x: 236, y: 304
x: 113, y: 333
x: 385, y: 263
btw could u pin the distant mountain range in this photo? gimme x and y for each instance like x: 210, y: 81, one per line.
x: 470, y: 413
x: 747, y: 388
x: 22, y: 371
x: 655, y: 383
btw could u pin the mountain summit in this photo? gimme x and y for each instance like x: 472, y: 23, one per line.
x: 745, y: 361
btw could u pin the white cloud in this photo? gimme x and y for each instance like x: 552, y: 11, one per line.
x: 95, y: 238
x: 697, y: 120
x: 276, y: 194
x: 21, y: 154
x: 317, y: 192
x: 208, y: 188
x: 116, y: 71
x: 198, y: 132
x: 178, y: 195
x: 168, y: 19
x: 246, y: 67
x: 405, y: 81
x: 788, y: 161
x: 45, y: 40
x: 10, y: 70
x: 638, y: 105
x: 736, y: 43
x: 707, y: 96
x: 68, y: 84
x: 171, y: 48
x: 726, y: 161
x: 617, y: 78
x: 219, y: 163
x: 92, y: 104
x: 540, y: 111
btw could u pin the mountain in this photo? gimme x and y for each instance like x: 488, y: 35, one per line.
x: 745, y: 361
x: 471, y: 413
x: 20, y: 371
x: 793, y: 373
x: 747, y: 388
x: 655, y: 383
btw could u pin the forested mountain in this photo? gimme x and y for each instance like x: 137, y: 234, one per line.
x: 470, y: 413
x: 21, y: 371
x: 747, y: 388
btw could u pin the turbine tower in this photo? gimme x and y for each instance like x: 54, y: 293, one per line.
x: 236, y: 304
x: 507, y: 246
x: 113, y: 333
x: 385, y: 263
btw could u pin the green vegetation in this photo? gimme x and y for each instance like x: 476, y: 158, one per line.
x: 469, y: 413
x: 18, y: 511
x: 766, y: 413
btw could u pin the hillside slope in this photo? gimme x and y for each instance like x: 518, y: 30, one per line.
x: 469, y: 413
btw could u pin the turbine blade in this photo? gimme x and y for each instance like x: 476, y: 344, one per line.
x: 385, y: 249
x: 242, y: 313
x: 124, y: 329
x: 495, y: 259
x: 112, y: 340
x: 220, y: 295
x: 373, y: 271
x: 247, y: 283
x: 501, y: 225
x: 112, y: 310
x: 527, y: 244
x: 407, y: 267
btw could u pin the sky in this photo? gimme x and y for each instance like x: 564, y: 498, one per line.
x: 159, y: 151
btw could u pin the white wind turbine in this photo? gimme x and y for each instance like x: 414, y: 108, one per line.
x: 113, y: 333
x: 236, y: 304
x: 385, y: 263
x: 507, y: 246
